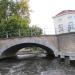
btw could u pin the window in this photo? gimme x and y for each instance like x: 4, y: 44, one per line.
x: 60, y: 27
x: 69, y: 17
x: 70, y: 26
x: 74, y: 17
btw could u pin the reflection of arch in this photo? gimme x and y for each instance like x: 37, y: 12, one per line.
x: 13, y: 50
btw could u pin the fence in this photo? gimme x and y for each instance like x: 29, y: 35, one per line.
x: 23, y: 33
x: 19, y: 33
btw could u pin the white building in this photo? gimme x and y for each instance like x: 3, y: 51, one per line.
x: 64, y: 22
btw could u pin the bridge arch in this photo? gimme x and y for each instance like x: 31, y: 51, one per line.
x: 11, y: 51
x: 11, y: 46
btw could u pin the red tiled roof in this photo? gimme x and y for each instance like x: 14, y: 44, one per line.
x: 64, y: 12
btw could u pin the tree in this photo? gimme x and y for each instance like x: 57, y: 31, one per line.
x: 24, y: 8
x: 3, y: 9
x: 14, y: 15
x: 35, y: 31
x: 20, y: 9
x: 15, y: 19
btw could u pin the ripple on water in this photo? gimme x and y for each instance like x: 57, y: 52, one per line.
x: 35, y: 66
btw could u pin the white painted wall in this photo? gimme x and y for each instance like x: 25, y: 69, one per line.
x: 65, y: 21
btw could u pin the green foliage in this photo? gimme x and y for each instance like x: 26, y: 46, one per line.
x: 36, y: 31
x: 3, y: 8
x: 15, y: 19
x: 12, y: 26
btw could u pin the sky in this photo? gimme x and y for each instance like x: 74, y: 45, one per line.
x: 44, y: 10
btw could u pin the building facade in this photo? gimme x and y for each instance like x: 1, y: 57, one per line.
x: 64, y: 22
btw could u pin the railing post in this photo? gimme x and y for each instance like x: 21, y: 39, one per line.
x: 44, y: 31
x: 19, y: 32
x: 31, y: 32
x: 6, y: 34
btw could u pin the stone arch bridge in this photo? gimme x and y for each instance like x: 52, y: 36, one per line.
x: 9, y: 47
x: 63, y: 45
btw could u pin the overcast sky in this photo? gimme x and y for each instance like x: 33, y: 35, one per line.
x: 44, y: 10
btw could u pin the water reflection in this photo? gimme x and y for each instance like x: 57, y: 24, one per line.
x: 34, y: 66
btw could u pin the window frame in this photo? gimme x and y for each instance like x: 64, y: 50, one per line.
x: 70, y: 26
x: 60, y: 27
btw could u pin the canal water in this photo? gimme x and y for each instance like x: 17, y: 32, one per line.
x: 35, y: 66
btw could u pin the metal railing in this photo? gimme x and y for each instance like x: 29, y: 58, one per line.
x: 23, y: 33
x: 19, y: 33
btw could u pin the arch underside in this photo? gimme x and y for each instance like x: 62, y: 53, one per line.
x: 14, y: 49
